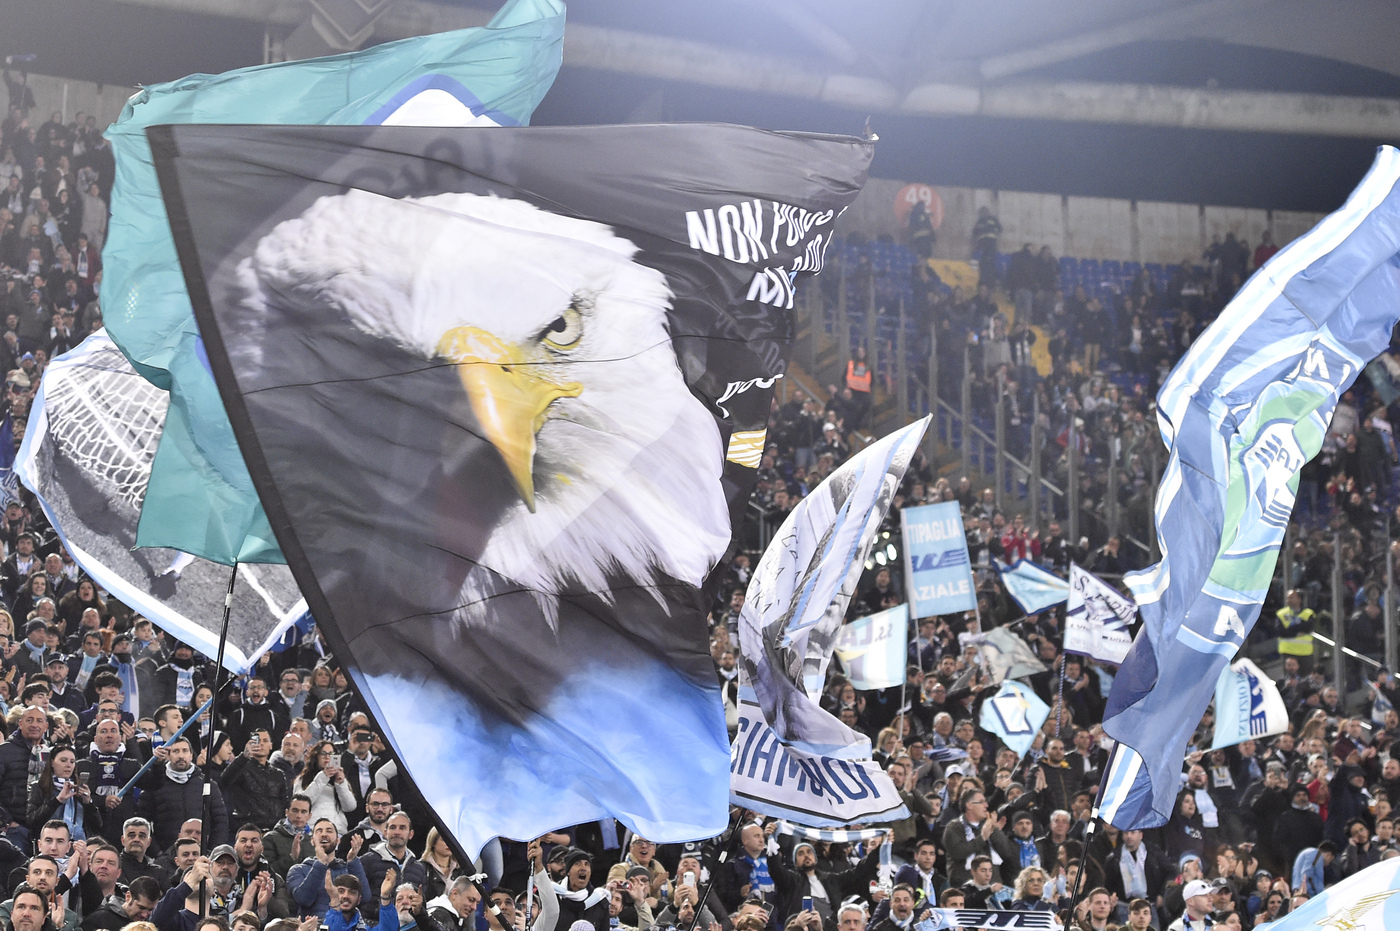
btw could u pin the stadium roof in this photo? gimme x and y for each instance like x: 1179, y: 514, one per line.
x: 1274, y: 103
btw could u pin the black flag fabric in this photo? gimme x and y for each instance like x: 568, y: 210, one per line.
x: 503, y: 394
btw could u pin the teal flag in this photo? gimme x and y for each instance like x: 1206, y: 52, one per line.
x: 200, y: 498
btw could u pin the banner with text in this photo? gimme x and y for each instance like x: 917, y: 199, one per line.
x: 1096, y: 623
x: 1248, y: 706
x: 812, y: 789
x: 936, y: 567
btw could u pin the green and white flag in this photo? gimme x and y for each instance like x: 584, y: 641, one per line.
x: 200, y: 499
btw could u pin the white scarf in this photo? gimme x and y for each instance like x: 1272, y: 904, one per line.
x: 176, y: 776
x: 589, y: 897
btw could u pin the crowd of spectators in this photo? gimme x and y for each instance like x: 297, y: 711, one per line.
x: 1259, y: 827
x: 308, y: 821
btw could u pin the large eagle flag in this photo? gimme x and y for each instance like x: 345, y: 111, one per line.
x: 1242, y: 412
x: 500, y: 392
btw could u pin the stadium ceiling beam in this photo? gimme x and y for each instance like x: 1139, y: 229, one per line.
x: 1167, y: 24
x: 684, y: 61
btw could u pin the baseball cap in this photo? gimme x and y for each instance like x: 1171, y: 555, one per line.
x: 558, y: 853
x: 223, y: 850
x: 639, y: 872
x: 57, y: 659
x: 1194, y: 888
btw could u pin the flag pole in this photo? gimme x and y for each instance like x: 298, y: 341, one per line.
x: 220, y: 679
x: 730, y: 845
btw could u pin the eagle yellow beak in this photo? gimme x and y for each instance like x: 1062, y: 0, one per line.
x: 507, y: 396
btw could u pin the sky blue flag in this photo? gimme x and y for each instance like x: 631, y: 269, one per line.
x: 1365, y: 901
x: 872, y: 649
x: 1034, y: 588
x: 1245, y: 408
x: 1015, y: 713
x: 200, y: 498
x: 937, y: 570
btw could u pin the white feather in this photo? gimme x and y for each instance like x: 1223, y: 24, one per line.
x: 627, y: 475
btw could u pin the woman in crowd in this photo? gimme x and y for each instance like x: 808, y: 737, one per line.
x: 58, y: 796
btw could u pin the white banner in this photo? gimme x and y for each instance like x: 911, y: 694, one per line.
x: 1096, y: 623
x: 822, y: 791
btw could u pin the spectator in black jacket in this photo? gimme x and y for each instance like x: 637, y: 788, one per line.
x: 793, y: 886
x: 15, y: 757
x: 136, y: 904
x: 392, y: 852
x: 1296, y: 829
x: 135, y: 859
x: 256, y: 713
x: 174, y: 793
x: 256, y: 790
x: 1136, y: 870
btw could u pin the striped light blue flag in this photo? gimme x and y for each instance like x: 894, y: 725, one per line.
x: 872, y: 649
x: 1364, y: 901
x: 1033, y: 587
x: 200, y: 498
x: 1246, y: 407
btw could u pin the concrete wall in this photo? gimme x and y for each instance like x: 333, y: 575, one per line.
x: 61, y: 95
x: 1083, y: 227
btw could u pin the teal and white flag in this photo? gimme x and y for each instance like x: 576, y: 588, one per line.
x: 1033, y: 587
x: 1365, y: 901
x: 873, y: 649
x: 1247, y: 706
x: 1014, y: 714
x: 200, y: 498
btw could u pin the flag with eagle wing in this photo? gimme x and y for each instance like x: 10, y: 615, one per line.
x: 1364, y: 901
x: 200, y: 499
x: 1242, y: 412
x: 503, y: 394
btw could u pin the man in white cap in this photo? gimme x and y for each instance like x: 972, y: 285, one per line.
x: 1198, y: 901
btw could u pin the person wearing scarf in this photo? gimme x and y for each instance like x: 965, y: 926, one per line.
x: 84, y: 663
x: 901, y: 914
x: 578, y: 901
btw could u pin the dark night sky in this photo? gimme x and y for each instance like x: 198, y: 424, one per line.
x: 126, y: 44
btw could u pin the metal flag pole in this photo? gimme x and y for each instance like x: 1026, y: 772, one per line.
x: 731, y: 843
x: 220, y: 680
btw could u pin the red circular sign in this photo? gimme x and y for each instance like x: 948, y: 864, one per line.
x: 911, y: 194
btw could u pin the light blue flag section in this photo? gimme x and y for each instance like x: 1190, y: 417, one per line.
x: 1247, y: 706
x: 200, y: 498
x: 1245, y: 408
x: 1364, y: 901
x: 873, y: 649
x: 1015, y: 713
x: 936, y: 568
x: 1034, y: 588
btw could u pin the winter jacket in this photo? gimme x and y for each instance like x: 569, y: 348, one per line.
x: 307, y: 880
x: 591, y: 906
x: 255, y: 792
x: 168, y: 804
x: 46, y: 806
x: 445, y: 915
x: 277, y: 847
x: 376, y: 862
x: 107, y: 774
x: 170, y: 913
x: 110, y: 917
x: 329, y: 800
x: 14, y: 775
x: 388, y: 919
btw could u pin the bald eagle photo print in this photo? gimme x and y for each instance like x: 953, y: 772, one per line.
x: 501, y: 392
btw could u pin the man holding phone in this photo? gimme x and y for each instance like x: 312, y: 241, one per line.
x: 257, y: 791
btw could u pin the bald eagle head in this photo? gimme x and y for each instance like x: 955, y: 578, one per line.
x: 561, y: 345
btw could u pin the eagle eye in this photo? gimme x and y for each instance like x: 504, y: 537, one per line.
x: 566, y: 330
